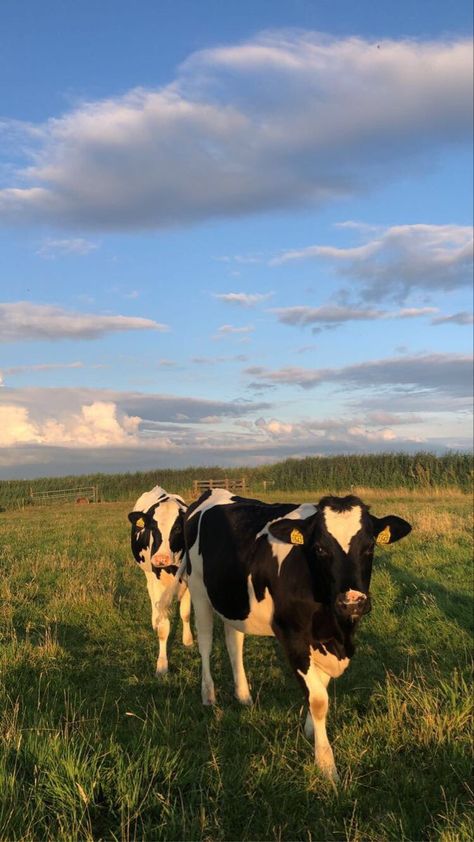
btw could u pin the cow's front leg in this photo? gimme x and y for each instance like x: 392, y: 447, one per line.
x: 185, y: 614
x: 163, y: 634
x: 315, y: 726
x: 155, y: 592
x: 235, y: 643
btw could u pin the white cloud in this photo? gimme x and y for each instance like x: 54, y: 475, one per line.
x: 13, y: 371
x: 400, y: 259
x: 241, y: 259
x: 15, y: 426
x: 274, y: 428
x: 286, y: 119
x: 96, y: 425
x: 244, y: 299
x: 23, y: 321
x: 51, y: 248
x: 230, y: 330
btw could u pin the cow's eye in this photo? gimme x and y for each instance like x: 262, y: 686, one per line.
x: 320, y: 550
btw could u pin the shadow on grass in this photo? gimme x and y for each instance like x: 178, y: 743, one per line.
x: 457, y: 607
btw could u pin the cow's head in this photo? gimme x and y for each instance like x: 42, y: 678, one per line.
x: 339, y: 543
x: 156, y: 536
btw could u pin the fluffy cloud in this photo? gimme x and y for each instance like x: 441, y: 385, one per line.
x: 401, y: 259
x: 43, y: 403
x: 449, y: 374
x: 96, y: 425
x: 286, y: 119
x: 15, y: 426
x: 23, y: 321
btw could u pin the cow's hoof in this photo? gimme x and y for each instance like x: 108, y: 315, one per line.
x: 245, y: 700
x: 325, y: 762
x: 208, y: 696
x: 161, y: 669
x: 188, y: 641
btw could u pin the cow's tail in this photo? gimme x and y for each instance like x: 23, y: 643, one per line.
x: 164, y: 604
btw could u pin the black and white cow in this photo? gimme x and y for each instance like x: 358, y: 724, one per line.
x: 156, y: 522
x: 299, y: 572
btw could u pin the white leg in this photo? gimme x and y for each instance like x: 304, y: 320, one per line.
x: 163, y: 632
x: 155, y: 592
x: 317, y: 681
x: 204, y: 618
x: 235, y: 642
x: 185, y: 614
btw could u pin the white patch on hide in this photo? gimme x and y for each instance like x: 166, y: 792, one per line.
x: 260, y: 616
x: 328, y: 663
x: 343, y: 525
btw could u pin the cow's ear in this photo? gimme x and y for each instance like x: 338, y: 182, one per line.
x: 389, y: 529
x: 291, y: 531
x: 176, y: 539
x: 137, y: 519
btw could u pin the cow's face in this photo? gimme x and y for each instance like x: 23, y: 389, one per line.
x: 339, y: 542
x: 155, y: 533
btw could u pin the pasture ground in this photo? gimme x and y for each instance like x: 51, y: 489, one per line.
x: 94, y: 747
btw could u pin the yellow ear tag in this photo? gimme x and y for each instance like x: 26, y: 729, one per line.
x: 296, y: 537
x: 140, y: 523
x: 384, y: 536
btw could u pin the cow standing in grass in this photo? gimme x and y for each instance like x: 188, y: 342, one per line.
x: 298, y: 572
x: 156, y: 521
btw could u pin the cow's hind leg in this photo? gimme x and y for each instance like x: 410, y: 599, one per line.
x: 204, y: 618
x: 317, y: 681
x: 185, y: 614
x: 235, y: 642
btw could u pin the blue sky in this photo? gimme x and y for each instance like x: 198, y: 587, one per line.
x: 232, y: 233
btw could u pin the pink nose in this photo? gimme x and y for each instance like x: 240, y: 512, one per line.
x: 160, y: 560
x: 354, y: 597
x: 351, y: 603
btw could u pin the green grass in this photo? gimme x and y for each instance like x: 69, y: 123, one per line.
x: 94, y: 747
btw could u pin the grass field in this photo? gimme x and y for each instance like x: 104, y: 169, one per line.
x: 93, y: 746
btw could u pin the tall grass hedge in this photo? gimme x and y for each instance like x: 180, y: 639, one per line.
x: 335, y: 473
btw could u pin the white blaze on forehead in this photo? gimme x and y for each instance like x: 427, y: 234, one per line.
x: 343, y: 525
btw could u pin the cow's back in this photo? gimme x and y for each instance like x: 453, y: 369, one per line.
x: 222, y: 537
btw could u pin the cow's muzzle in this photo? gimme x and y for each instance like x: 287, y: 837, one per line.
x: 161, y: 560
x: 351, y: 605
